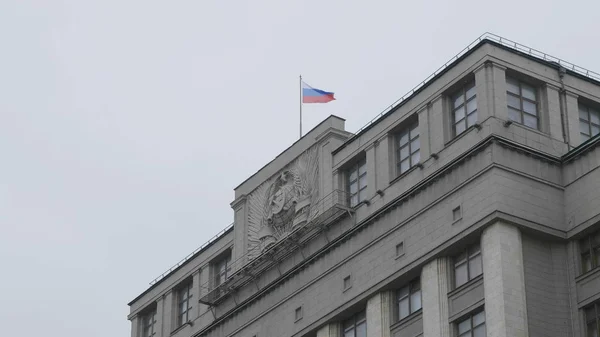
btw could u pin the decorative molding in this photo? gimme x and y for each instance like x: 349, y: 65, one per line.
x: 282, y: 203
x: 234, y: 204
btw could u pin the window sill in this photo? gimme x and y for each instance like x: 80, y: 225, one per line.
x: 414, y: 167
x: 407, y: 320
x: 179, y: 328
x: 462, y: 134
x: 588, y: 274
x: 463, y: 287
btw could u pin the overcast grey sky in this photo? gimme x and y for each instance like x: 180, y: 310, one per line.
x: 125, y: 125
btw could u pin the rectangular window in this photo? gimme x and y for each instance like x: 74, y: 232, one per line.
x: 522, y: 103
x: 184, y: 303
x: 590, y: 252
x: 357, y: 182
x: 409, y: 299
x: 222, y: 268
x: 467, y: 265
x: 464, y: 108
x: 148, y: 324
x: 355, y: 326
x: 407, y: 148
x: 592, y: 315
x: 589, y: 122
x: 472, y: 326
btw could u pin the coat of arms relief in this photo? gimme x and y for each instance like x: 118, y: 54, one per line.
x: 283, y: 203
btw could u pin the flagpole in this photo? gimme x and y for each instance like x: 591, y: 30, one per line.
x: 300, y: 106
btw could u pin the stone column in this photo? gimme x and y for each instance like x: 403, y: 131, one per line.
x: 135, y: 324
x: 424, y: 126
x: 484, y: 94
x: 437, y: 136
x: 331, y: 330
x: 240, y: 233
x: 160, y: 303
x: 168, y: 316
x: 572, y: 112
x: 434, y: 293
x: 385, y: 161
x: 379, y: 314
x: 552, y: 121
x: 371, y: 152
x: 203, y: 288
x: 196, y: 283
x: 504, y: 281
x: 497, y: 91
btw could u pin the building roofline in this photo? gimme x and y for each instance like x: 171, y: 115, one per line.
x: 289, y: 147
x: 486, y: 38
x: 184, y: 262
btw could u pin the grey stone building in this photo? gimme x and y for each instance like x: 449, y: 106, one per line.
x: 468, y: 208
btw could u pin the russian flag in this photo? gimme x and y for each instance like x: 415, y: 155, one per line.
x: 312, y: 95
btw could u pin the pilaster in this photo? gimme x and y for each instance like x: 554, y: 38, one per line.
x: 497, y: 90
x: 160, y: 303
x: 379, y: 315
x: 504, y: 281
x: 135, y: 325
x: 371, y: 154
x: 168, y: 315
x: 552, y: 122
x: 572, y: 114
x: 195, y: 312
x: 434, y: 286
x: 384, y: 161
x: 483, y: 83
x: 424, y: 133
x: 435, y: 128
x: 240, y: 232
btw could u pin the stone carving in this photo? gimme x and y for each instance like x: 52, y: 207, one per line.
x: 283, y: 203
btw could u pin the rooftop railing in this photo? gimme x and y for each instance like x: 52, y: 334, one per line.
x: 495, y: 38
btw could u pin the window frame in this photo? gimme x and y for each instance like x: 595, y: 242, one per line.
x: 462, y: 92
x: 413, y: 286
x: 356, y: 320
x: 522, y: 99
x: 470, y: 252
x: 414, y: 135
x: 184, y: 295
x: 596, y: 319
x: 472, y: 327
x: 592, y: 249
x: 588, y: 122
x: 355, y: 168
x: 149, y: 323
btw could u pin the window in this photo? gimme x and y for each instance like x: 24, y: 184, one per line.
x: 298, y: 314
x: 221, y: 270
x: 464, y: 108
x: 456, y: 214
x: 148, y: 323
x: 467, y: 265
x: 590, y: 252
x: 522, y: 103
x: 355, y: 326
x: 472, y: 326
x: 592, y: 319
x: 407, y: 148
x: 184, y: 301
x: 589, y: 122
x: 347, y: 282
x: 409, y: 299
x: 357, y: 182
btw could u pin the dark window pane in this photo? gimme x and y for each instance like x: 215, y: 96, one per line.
x: 458, y: 100
x: 415, y: 301
x: 403, y: 292
x: 464, y: 326
x: 416, y: 157
x: 403, y: 308
x: 592, y: 329
x: 415, y: 144
x: 361, y: 330
x: 460, y: 274
x: 471, y: 91
x: 512, y: 85
x: 460, y: 127
x: 362, y: 168
x: 530, y: 121
x: 475, y: 267
x: 595, y: 130
x: 528, y: 91
x: 583, y: 113
x: 584, y: 128
x: 514, y: 115
x: 472, y: 119
x: 479, y: 331
x: 414, y: 131
x: 530, y: 108
x: 404, y: 166
x: 471, y: 106
x: 404, y: 153
x: 584, y: 137
x: 403, y: 138
x: 594, y: 116
x: 479, y: 318
x: 459, y: 114
x: 586, y: 262
x: 514, y: 102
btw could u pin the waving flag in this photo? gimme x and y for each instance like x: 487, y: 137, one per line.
x: 313, y: 95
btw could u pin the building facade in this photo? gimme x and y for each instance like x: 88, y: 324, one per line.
x: 469, y: 208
